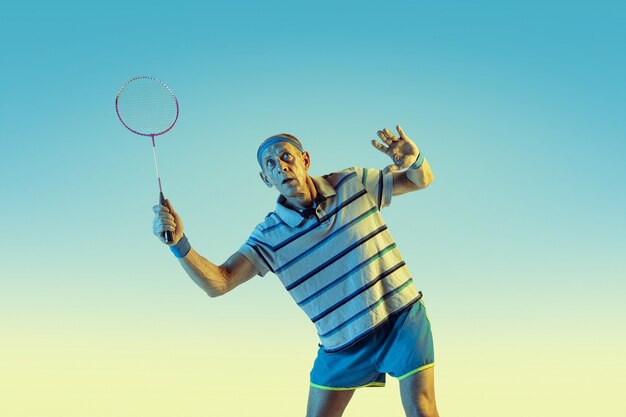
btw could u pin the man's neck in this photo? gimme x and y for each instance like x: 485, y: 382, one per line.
x: 304, y: 200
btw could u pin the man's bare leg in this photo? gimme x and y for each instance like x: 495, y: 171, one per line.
x: 418, y: 394
x: 327, y: 403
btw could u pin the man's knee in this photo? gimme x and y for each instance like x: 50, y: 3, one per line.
x: 425, y: 406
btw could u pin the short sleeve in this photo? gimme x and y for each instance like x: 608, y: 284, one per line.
x: 257, y: 252
x: 378, y: 185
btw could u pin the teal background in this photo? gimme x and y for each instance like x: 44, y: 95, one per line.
x: 518, y: 245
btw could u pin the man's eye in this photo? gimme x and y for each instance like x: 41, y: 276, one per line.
x: 270, y: 163
x: 286, y: 156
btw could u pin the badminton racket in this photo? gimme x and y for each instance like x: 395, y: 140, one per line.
x: 148, y: 107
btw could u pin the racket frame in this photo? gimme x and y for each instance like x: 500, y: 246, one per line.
x: 117, y: 110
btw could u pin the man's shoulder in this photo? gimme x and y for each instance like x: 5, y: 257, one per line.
x: 271, y: 221
x: 356, y: 175
x: 338, y: 177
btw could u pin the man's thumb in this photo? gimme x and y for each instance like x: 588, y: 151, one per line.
x: 392, y: 167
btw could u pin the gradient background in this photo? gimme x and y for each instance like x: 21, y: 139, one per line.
x: 518, y: 245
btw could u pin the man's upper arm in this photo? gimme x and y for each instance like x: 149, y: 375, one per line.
x: 238, y: 270
x: 379, y: 186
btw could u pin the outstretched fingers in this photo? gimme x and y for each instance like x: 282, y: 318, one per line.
x: 399, y: 148
x: 401, y: 132
x: 386, y: 136
x: 384, y: 149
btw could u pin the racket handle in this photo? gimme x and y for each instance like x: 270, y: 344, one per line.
x: 167, y: 234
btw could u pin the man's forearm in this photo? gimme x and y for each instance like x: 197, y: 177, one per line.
x: 207, y: 275
x: 421, y: 176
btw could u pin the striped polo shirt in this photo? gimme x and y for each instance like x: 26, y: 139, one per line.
x: 341, y: 265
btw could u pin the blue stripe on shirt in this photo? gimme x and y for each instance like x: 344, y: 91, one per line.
x: 327, y: 239
x: 347, y: 274
x: 322, y: 220
x: 260, y: 242
x: 347, y: 177
x: 256, y: 249
x: 336, y: 257
x: 357, y: 292
x: 282, y: 223
x: 274, y: 226
x: 368, y: 308
x: 373, y: 329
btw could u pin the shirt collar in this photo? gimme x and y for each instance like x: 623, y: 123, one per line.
x: 293, y: 217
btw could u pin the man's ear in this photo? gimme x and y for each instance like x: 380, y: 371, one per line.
x: 265, y: 179
x: 307, y: 159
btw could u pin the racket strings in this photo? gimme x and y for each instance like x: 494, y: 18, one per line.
x: 147, y: 106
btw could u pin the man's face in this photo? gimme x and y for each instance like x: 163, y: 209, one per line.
x: 285, y: 168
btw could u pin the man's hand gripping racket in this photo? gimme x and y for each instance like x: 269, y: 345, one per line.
x: 166, y: 220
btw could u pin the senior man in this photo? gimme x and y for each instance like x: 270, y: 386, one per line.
x: 329, y: 245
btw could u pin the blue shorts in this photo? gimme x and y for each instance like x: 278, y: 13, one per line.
x: 401, y: 347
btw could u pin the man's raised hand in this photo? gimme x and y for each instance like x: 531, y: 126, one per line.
x: 402, y: 151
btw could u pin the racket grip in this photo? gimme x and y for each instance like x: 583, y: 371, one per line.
x: 167, y: 234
